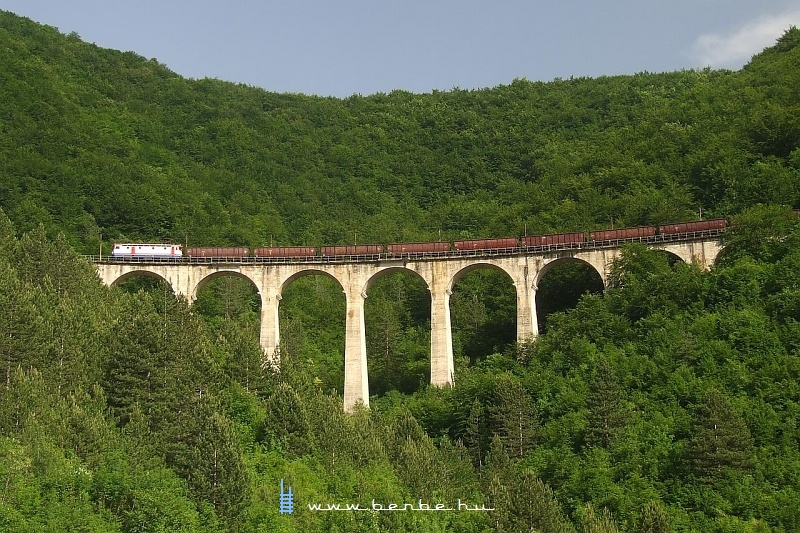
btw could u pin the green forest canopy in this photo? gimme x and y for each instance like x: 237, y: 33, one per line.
x: 667, y: 403
x: 99, y: 142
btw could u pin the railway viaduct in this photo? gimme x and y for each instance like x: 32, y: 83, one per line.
x: 356, y: 275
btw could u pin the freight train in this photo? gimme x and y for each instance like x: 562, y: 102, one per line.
x: 419, y: 249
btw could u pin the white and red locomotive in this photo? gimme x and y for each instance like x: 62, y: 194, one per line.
x: 147, y: 250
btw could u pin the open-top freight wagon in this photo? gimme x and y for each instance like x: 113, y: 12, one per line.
x: 622, y: 233
x: 555, y: 239
x: 421, y: 249
x: 693, y: 227
x: 418, y: 248
x: 351, y: 250
x: 506, y: 243
x: 237, y: 252
x: 284, y: 251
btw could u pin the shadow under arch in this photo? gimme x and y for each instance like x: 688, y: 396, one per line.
x: 311, y: 313
x: 394, y: 270
x: 480, y: 265
x: 672, y: 257
x: 397, y: 319
x: 561, y: 284
x: 483, y: 304
x: 220, y: 274
x: 722, y: 257
x: 561, y: 261
x: 229, y: 303
x: 308, y: 272
x: 141, y: 273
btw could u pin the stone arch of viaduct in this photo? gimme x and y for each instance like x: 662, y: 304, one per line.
x: 355, y: 279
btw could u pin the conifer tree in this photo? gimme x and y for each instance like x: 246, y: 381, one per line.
x: 521, y: 501
x: 514, y: 416
x: 79, y: 346
x: 287, y: 421
x: 8, y: 240
x: 536, y: 507
x: 243, y: 356
x: 25, y: 401
x: 654, y: 519
x: 383, y: 331
x: 476, y: 432
x: 606, y: 406
x: 418, y: 466
x: 130, y: 377
x: 456, y: 476
x: 720, y: 439
x: 215, y: 469
x: 593, y: 523
x: 496, y: 476
x: 40, y: 259
x: 23, y: 332
x: 403, y: 427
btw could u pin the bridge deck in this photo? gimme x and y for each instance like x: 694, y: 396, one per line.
x: 525, y: 266
x: 498, y: 252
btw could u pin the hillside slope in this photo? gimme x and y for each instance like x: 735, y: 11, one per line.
x: 668, y: 403
x: 97, y: 141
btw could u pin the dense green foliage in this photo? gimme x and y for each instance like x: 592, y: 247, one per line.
x: 101, y: 142
x: 669, y: 402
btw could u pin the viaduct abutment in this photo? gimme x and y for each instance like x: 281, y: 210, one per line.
x: 355, y: 278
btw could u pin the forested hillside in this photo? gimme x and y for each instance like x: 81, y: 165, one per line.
x: 666, y: 402
x: 98, y: 141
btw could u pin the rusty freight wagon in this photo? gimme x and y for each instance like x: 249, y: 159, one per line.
x: 622, y: 233
x: 505, y: 243
x: 284, y: 252
x: 211, y: 252
x: 530, y: 241
x: 418, y: 248
x: 352, y: 250
x: 693, y: 227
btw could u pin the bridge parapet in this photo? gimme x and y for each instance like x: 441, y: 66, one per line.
x: 654, y: 240
x: 525, y: 268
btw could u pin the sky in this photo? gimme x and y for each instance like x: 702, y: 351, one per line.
x: 345, y: 47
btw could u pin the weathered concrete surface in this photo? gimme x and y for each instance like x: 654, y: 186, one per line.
x: 438, y: 274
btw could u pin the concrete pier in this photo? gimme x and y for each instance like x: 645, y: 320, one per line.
x: 439, y: 274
